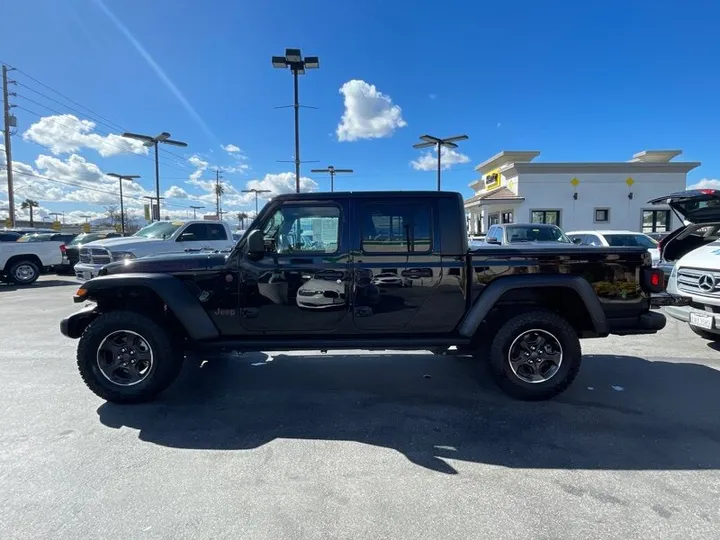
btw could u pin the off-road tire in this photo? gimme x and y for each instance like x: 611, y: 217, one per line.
x: 551, y: 323
x: 166, y: 365
x: 710, y: 336
x: 18, y: 266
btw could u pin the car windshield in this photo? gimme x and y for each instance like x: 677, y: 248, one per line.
x: 159, y: 229
x: 84, y: 238
x: 635, y: 240
x: 529, y: 233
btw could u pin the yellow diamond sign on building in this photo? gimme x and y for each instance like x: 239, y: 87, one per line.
x: 629, y: 182
x: 575, y: 182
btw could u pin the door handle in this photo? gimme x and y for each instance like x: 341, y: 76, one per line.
x: 250, y: 313
x: 300, y: 261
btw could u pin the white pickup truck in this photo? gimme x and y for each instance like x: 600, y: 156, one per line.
x: 23, y: 262
x: 157, y: 238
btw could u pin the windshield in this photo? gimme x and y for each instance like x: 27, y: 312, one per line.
x: 159, y: 229
x: 620, y: 240
x: 84, y: 238
x: 529, y: 233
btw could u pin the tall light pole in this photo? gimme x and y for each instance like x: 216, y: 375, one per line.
x: 293, y: 59
x: 438, y: 143
x: 256, y: 191
x: 120, y: 178
x: 194, y: 209
x: 333, y: 171
x: 149, y: 141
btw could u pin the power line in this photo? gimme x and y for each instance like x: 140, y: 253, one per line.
x: 66, y: 97
x: 68, y: 107
x: 171, y: 164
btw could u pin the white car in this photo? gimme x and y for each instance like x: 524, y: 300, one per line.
x: 320, y: 294
x: 695, y: 250
x: 157, y: 238
x: 616, y: 239
x: 388, y: 279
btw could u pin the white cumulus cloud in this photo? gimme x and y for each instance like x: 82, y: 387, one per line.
x: 230, y: 148
x: 176, y: 192
x: 281, y: 183
x: 449, y: 157
x: 67, y: 133
x: 369, y: 114
x: 706, y: 183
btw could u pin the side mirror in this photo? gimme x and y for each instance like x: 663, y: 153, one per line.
x: 186, y: 237
x: 577, y: 241
x: 492, y: 241
x: 256, y: 244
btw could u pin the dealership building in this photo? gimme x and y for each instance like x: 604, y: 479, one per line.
x: 513, y: 188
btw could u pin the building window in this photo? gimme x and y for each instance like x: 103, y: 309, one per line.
x: 507, y: 217
x: 655, y: 221
x: 602, y: 215
x: 493, y: 219
x: 545, y: 216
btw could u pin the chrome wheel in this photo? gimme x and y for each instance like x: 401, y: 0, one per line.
x: 125, y: 358
x: 535, y: 356
x: 24, y: 272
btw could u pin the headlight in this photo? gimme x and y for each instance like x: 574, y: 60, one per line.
x: 122, y: 256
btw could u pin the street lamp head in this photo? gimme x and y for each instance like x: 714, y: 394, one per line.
x: 279, y: 62
x: 145, y: 138
x: 299, y: 68
x: 312, y: 62
x: 293, y: 55
x: 163, y: 136
x: 114, y: 175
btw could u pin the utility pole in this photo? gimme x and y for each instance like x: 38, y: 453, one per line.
x: 120, y: 178
x: 9, y: 122
x: 195, y: 209
x: 218, y: 193
x: 333, y: 171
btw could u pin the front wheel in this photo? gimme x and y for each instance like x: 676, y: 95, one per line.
x: 24, y: 272
x: 125, y: 357
x: 535, y: 356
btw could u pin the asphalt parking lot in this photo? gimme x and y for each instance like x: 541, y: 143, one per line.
x: 281, y: 446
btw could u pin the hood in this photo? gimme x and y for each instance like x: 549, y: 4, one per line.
x: 169, y: 264
x: 693, y: 205
x: 122, y: 242
x: 703, y: 257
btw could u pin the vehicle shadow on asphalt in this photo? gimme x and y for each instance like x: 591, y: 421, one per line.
x: 622, y: 413
x: 37, y: 285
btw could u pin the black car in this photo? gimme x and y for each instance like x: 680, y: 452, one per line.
x: 71, y: 251
x: 9, y: 236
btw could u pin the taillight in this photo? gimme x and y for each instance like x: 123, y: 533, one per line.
x: 653, y: 280
x: 63, y: 249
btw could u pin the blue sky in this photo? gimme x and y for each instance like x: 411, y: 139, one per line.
x: 577, y: 81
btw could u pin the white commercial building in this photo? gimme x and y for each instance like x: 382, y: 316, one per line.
x: 512, y: 188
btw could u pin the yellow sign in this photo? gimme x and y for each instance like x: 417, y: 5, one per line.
x: 492, y: 179
x: 8, y: 222
x: 56, y: 225
x: 147, y: 212
x: 575, y: 182
x: 629, y: 182
x: 86, y: 227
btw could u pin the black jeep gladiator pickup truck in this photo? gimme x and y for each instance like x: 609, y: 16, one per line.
x: 375, y: 270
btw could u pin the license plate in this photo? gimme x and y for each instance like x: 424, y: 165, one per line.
x: 701, y: 321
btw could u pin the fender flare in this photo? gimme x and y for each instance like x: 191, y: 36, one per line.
x: 178, y: 298
x: 494, y: 291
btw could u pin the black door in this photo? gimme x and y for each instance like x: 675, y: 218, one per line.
x: 395, y: 266
x: 302, y: 283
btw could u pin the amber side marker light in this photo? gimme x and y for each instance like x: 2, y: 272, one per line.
x: 80, y: 295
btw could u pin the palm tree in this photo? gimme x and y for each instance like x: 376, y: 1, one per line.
x: 29, y: 204
x: 242, y: 216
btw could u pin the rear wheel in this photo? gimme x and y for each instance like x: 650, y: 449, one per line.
x: 535, y: 355
x: 24, y: 272
x: 125, y: 357
x: 710, y: 336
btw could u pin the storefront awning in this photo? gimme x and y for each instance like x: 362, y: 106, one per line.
x: 495, y: 196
